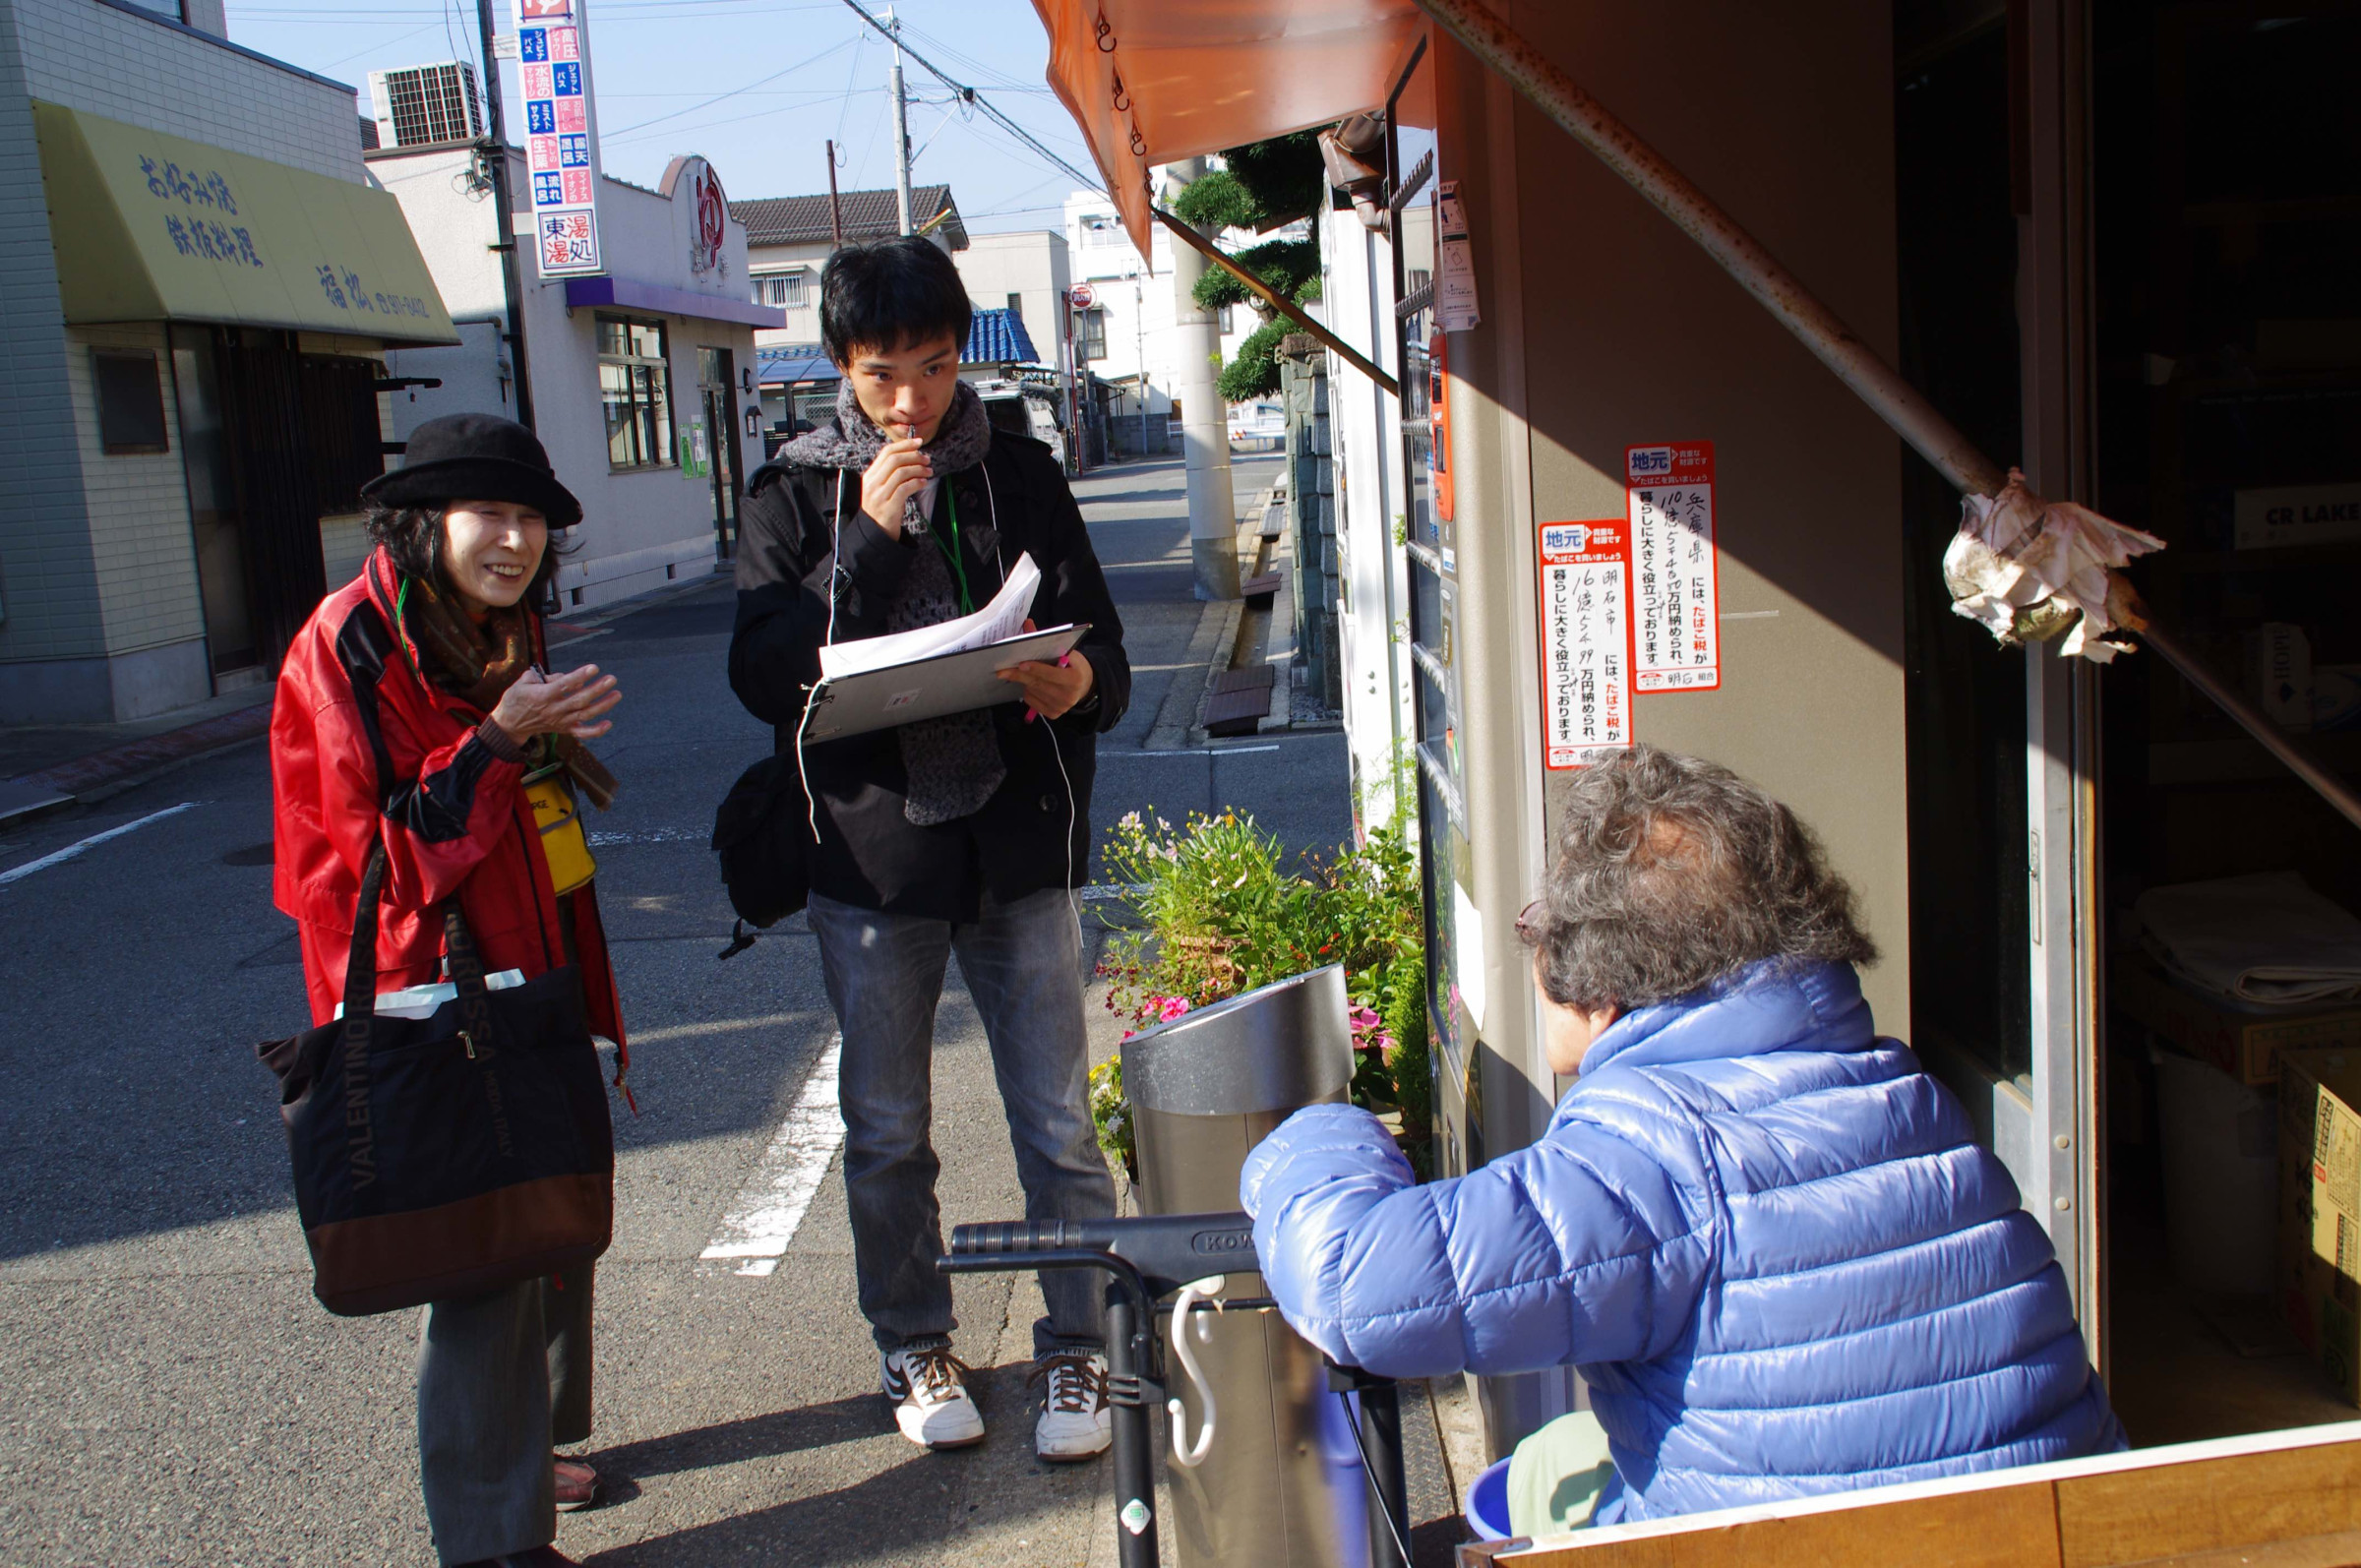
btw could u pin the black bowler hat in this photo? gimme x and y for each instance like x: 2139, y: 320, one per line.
x: 475, y: 457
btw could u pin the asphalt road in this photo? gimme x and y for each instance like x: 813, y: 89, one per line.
x: 169, y: 1392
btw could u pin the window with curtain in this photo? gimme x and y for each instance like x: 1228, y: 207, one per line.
x: 635, y: 382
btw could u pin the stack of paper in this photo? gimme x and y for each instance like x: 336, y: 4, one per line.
x: 996, y: 622
x: 2264, y: 938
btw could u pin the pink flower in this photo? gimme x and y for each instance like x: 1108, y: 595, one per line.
x: 1171, y: 1007
x: 1365, y: 1019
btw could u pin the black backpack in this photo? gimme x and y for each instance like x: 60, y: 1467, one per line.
x: 764, y: 836
x: 763, y: 831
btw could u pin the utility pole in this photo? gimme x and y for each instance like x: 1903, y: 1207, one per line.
x: 493, y: 148
x: 1139, y: 331
x: 835, y: 209
x: 1204, y: 428
x: 901, y: 123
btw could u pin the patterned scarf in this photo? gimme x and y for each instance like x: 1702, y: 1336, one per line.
x: 477, y: 664
x: 954, y: 762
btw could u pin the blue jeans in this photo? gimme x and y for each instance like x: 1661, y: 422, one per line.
x: 1023, y: 962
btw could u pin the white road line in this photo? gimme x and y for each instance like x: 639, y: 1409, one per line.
x: 653, y: 835
x: 717, y: 1026
x: 1198, y: 751
x: 70, y: 851
x: 755, y: 1230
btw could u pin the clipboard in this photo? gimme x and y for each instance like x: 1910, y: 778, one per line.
x: 930, y: 688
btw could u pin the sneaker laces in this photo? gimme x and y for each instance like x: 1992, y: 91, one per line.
x: 1076, y: 1386
x: 934, y: 1372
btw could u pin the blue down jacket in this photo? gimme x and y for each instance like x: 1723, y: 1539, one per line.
x: 1767, y: 1240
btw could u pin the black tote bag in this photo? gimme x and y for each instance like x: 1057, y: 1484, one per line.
x: 447, y: 1157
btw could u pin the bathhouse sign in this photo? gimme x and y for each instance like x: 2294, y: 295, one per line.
x: 561, y: 135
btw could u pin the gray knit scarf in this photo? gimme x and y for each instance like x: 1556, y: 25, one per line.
x: 954, y: 762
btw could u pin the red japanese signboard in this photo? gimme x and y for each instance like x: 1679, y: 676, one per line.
x: 1675, y: 569
x: 1586, y: 641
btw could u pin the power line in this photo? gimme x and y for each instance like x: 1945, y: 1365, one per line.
x: 734, y: 91
x: 990, y: 110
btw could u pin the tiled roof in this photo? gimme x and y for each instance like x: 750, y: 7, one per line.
x: 787, y: 363
x: 868, y: 215
x: 998, y: 338
x: 994, y: 338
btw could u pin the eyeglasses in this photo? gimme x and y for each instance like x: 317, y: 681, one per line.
x: 1529, y: 923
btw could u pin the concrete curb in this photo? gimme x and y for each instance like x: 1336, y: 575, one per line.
x: 98, y: 774
x: 1175, y: 723
x: 1210, y: 649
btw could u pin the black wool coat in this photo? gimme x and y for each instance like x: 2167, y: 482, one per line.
x: 1034, y: 832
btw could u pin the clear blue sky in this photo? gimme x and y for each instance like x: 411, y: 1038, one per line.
x: 758, y: 86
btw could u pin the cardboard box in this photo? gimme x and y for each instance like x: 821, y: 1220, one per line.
x: 2244, y: 1045
x: 2319, y: 1209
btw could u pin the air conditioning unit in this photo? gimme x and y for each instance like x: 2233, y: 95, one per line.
x: 427, y: 103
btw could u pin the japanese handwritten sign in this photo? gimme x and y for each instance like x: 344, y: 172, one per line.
x: 1586, y: 641
x: 1669, y: 494
x: 561, y: 142
x: 199, y: 212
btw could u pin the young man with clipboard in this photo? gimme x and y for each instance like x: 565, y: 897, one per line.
x: 964, y: 834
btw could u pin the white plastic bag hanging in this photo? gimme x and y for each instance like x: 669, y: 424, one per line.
x: 2027, y: 568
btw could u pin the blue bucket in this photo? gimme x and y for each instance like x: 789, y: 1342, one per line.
x: 1487, y: 1503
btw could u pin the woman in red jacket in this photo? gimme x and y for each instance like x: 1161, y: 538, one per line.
x: 412, y: 708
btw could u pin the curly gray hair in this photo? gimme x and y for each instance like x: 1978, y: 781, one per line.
x: 1673, y: 872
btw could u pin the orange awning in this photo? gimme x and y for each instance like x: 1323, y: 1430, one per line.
x: 1153, y: 81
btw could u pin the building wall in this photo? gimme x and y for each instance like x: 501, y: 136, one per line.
x: 1606, y: 327
x: 1034, y: 265
x: 139, y: 504
x: 803, y: 322
x: 642, y: 528
x: 1787, y: 118
x: 104, y: 623
x: 1139, y: 302
x: 49, y: 577
x: 128, y: 67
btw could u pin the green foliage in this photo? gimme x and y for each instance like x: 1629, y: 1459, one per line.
x: 1216, y: 201
x: 1221, y: 915
x: 1284, y: 176
x: 1253, y: 371
x: 1292, y: 266
x: 1111, y: 1113
x: 1267, y: 184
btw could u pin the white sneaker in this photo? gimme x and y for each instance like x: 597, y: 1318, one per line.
x: 1076, y: 1422
x: 928, y: 1389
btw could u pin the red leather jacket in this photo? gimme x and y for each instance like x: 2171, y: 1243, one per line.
x: 362, y: 746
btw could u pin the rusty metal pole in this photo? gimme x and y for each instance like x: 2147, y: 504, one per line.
x: 1820, y: 330
x: 1278, y: 302
x: 1743, y: 256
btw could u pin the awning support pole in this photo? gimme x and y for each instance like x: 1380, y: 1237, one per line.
x: 1858, y: 365
x: 1820, y: 330
x: 1284, y: 306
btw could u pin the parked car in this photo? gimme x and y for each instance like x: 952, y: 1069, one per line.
x: 1257, y: 427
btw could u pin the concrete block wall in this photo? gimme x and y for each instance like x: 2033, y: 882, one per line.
x: 1318, y: 586
x: 48, y: 580
x: 138, y: 504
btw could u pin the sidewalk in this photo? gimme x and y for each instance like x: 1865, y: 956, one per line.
x: 47, y: 768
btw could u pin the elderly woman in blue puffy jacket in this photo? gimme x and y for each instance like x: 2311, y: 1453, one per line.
x: 1766, y: 1238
